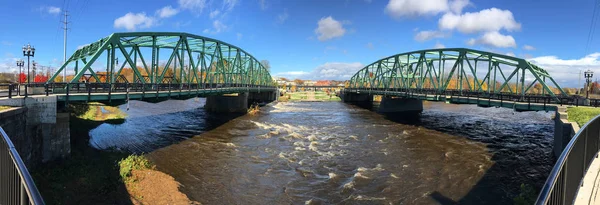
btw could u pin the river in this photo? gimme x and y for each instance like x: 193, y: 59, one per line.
x: 335, y: 153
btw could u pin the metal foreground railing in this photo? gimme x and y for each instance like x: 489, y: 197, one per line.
x: 566, y: 177
x: 16, y: 185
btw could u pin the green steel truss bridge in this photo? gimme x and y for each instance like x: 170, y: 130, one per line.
x: 155, y: 64
x: 460, y: 75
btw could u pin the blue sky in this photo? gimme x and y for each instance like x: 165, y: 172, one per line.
x: 315, y: 39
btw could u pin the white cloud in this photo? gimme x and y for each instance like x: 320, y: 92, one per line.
x: 485, y: 20
x: 439, y: 45
x: 511, y: 54
x: 410, y: 8
x: 528, y: 48
x: 239, y: 36
x: 589, y: 60
x: 195, y: 6
x: 404, y: 8
x: 494, y: 39
x: 263, y: 4
x: 283, y: 16
x: 53, y: 10
x: 428, y: 35
x: 457, y: 6
x: 329, y: 28
x: 229, y: 4
x: 8, y: 64
x: 214, y: 14
x: 218, y: 27
x: 566, y: 71
x: 166, y: 12
x: 327, y: 71
x: 132, y: 21
x: 370, y: 46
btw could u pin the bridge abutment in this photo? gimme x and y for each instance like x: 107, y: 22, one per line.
x: 37, y: 130
x: 563, y: 130
x: 400, y: 105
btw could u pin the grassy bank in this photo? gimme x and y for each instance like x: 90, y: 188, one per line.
x: 4, y: 107
x: 308, y: 96
x: 582, y: 115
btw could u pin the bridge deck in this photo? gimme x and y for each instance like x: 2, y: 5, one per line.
x: 484, y: 102
x: 84, y: 96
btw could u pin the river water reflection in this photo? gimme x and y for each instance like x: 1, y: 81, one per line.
x: 334, y: 153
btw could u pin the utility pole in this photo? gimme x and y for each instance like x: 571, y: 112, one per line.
x: 65, y: 28
x: 579, y: 83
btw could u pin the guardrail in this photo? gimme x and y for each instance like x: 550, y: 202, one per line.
x: 568, y: 172
x: 16, y: 185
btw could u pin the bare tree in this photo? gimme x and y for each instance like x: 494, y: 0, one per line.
x: 266, y: 64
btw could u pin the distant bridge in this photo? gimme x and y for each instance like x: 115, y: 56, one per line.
x: 460, y: 75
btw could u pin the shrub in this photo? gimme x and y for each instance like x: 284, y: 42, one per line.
x: 527, y: 195
x: 133, y: 162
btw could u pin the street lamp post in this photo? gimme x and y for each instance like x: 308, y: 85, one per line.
x: 28, y: 51
x: 20, y: 65
x: 588, y: 78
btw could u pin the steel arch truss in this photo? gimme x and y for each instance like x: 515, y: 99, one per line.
x: 189, y: 59
x: 457, y: 69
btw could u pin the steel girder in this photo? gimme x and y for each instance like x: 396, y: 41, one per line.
x: 191, y: 59
x: 456, y: 69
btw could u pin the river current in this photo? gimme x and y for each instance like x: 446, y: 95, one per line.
x: 335, y: 153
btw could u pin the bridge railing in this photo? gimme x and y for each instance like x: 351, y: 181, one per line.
x: 32, y: 89
x: 16, y: 184
x: 502, y: 96
x: 566, y: 177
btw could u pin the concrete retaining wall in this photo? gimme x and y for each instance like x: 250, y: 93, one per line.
x: 14, y: 123
x: 45, y: 135
x: 563, y: 130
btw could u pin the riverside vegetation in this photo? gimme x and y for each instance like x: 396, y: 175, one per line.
x: 91, y: 176
x: 582, y: 115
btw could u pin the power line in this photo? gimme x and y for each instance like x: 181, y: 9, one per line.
x: 592, y: 27
x: 66, y: 27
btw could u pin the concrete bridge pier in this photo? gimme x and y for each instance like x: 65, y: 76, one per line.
x: 357, y: 98
x: 400, y: 105
x: 227, y: 103
x: 263, y: 97
x: 238, y: 103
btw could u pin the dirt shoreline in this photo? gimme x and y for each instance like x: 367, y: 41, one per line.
x: 155, y: 187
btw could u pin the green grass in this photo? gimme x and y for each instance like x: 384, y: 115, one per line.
x: 133, y: 162
x: 4, y: 107
x: 582, y: 115
x: 98, y: 112
x: 319, y: 96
